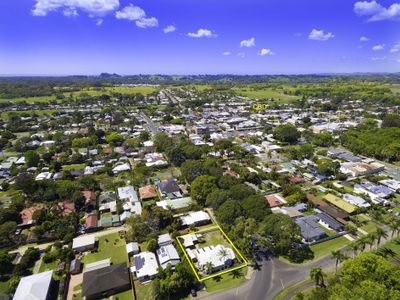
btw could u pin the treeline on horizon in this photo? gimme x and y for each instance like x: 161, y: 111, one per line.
x: 37, y: 86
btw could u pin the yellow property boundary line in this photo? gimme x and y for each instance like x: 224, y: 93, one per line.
x: 245, y: 263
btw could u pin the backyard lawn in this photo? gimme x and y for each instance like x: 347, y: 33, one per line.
x: 214, y: 238
x: 127, y: 295
x: 110, y: 246
x: 144, y: 291
x: 327, y: 247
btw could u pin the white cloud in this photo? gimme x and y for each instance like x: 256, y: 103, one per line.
x: 364, y: 39
x: 251, y: 42
x: 265, y: 52
x: 202, y: 33
x: 320, y: 35
x: 70, y: 12
x: 241, y: 54
x: 71, y: 7
x: 398, y: 61
x: 169, y: 28
x: 395, y: 49
x: 378, y: 47
x: 226, y: 53
x: 378, y: 58
x: 136, y: 14
x: 377, y: 12
x: 99, y: 22
x: 147, y: 22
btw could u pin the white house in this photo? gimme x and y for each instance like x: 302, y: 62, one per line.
x: 195, y: 218
x: 167, y: 255
x: 219, y: 256
x: 83, y: 243
x: 146, y: 266
x: 35, y: 287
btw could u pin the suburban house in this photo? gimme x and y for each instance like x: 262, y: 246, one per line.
x: 83, y: 243
x: 146, y: 266
x: 340, y: 203
x: 174, y: 204
x: 167, y: 254
x: 376, y: 192
x: 392, y: 184
x: 104, y: 282
x: 275, y: 200
x: 169, y: 188
x: 91, y: 222
x: 310, y: 229
x: 34, y: 287
x: 356, y: 200
x: 148, y: 192
x: 164, y: 239
x: 195, y: 218
x: 132, y: 248
x: 130, y: 199
x: 218, y: 257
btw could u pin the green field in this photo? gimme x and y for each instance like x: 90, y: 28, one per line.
x: 30, y: 99
x: 266, y: 93
x: 49, y: 112
x: 74, y: 167
x: 110, y: 246
x: 229, y: 280
x: 327, y: 247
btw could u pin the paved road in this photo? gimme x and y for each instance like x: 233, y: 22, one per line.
x: 273, y: 277
x: 151, y: 126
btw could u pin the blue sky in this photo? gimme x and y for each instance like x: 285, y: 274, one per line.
x: 63, y: 37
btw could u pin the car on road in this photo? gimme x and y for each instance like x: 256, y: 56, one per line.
x: 193, y: 292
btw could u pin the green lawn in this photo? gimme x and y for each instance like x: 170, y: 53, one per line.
x: 74, y: 167
x: 266, y: 93
x: 110, y: 246
x: 232, y: 279
x: 214, y: 238
x: 327, y: 247
x: 4, y: 114
x: 144, y: 291
x: 48, y: 266
x: 30, y: 99
x: 3, y: 287
x: 127, y: 295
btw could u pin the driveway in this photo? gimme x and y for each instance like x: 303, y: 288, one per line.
x: 74, y: 281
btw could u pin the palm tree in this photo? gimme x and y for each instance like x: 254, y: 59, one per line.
x: 380, y: 233
x: 362, y: 242
x: 386, y: 252
x: 209, y: 267
x: 317, y: 275
x: 370, y: 240
x: 223, y: 253
x: 339, y: 256
x: 354, y: 246
x: 394, y: 226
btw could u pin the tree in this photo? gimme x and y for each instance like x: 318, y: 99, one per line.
x: 152, y: 245
x: 209, y: 267
x: 216, y: 198
x: 229, y: 211
x: 6, y: 265
x: 339, y: 257
x: 380, y: 233
x: 7, y: 231
x: 32, y: 159
x: 279, y: 232
x: 256, y: 207
x: 114, y: 139
x: 287, y: 134
x: 355, y: 247
x: 226, y: 182
x: 191, y: 169
x: 317, y: 275
x: 323, y: 139
x: 391, y: 120
x: 241, y: 191
x: 201, y: 187
x: 328, y: 167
